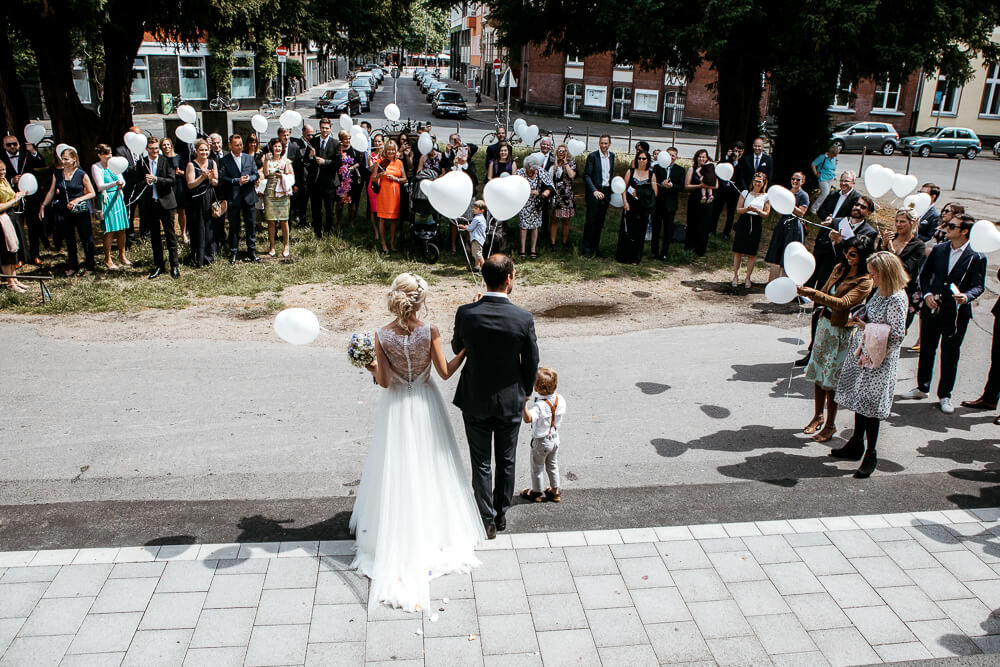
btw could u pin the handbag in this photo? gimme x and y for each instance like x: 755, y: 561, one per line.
x: 82, y: 207
x: 219, y: 208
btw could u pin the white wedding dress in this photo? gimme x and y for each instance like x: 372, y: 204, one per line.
x: 415, y: 518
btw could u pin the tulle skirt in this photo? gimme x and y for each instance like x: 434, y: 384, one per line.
x: 415, y: 518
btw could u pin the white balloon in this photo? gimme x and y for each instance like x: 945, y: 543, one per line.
x: 27, y: 184
x: 425, y: 144
x: 878, y: 180
x: 136, y: 141
x: 504, y: 174
x: 918, y: 202
x: 616, y: 200
x: 62, y: 147
x: 259, y: 123
x: 186, y: 133
x: 505, y: 197
x: 984, y: 237
x: 359, y: 141
x: 117, y: 165
x: 391, y: 111
x: 187, y: 113
x: 529, y: 134
x: 519, y: 124
x: 33, y: 133
x: 575, y: 146
x: 618, y: 185
x: 780, y: 290
x: 781, y: 198
x: 297, y: 326
x: 290, y: 119
x: 346, y: 122
x: 664, y: 159
x: 724, y: 170
x: 903, y: 184
x: 450, y: 195
x: 799, y: 263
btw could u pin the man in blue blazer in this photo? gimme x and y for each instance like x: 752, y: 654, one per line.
x: 597, y: 177
x: 238, y: 176
x: 953, y: 276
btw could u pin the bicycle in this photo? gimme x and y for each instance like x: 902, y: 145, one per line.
x: 512, y: 139
x: 272, y: 108
x: 176, y: 101
x: 501, y: 113
x: 227, y: 103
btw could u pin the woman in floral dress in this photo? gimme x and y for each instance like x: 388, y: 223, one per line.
x: 563, y: 172
x: 530, y: 218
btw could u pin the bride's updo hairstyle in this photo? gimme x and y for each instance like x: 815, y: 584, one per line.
x: 406, y: 296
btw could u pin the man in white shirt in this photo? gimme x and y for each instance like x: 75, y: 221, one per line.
x: 597, y: 175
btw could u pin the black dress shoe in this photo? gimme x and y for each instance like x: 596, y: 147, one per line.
x: 175, y: 273
x: 868, y: 464
x: 979, y: 404
x: 501, y: 523
x: 253, y: 257
x: 491, y: 530
x: 232, y: 258
x: 155, y: 273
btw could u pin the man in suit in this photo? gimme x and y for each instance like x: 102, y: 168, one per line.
x: 457, y: 152
x: 670, y: 183
x: 546, y: 158
x: 597, y: 175
x: 323, y: 189
x: 133, y: 183
x: 491, y: 150
x: 299, y: 151
x: 953, y: 276
x: 501, y: 359
x: 930, y: 220
x: 991, y: 392
x: 156, y: 207
x: 238, y: 176
x: 18, y: 162
x: 837, y: 205
x: 751, y: 163
x: 727, y: 196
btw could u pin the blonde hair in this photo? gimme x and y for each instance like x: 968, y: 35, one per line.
x: 406, y: 296
x: 546, y: 381
x: 892, y: 276
x: 73, y: 154
x: 908, y: 213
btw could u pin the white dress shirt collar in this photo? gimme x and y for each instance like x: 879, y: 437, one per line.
x: 499, y: 295
x: 955, y: 255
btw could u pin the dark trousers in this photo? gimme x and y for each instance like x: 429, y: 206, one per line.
x: 198, y: 228
x: 492, y: 437
x: 991, y: 392
x: 323, y: 200
x: 299, y: 204
x: 726, y: 197
x: 158, y: 218
x: 597, y: 211
x: 663, y: 223
x: 129, y: 192
x: 78, y: 224
x: 36, y: 228
x: 216, y: 235
x: 931, y: 335
x: 247, y: 211
x: 699, y: 220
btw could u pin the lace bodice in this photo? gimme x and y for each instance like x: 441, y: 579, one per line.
x: 409, y: 355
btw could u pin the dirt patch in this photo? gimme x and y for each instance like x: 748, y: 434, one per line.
x: 578, y: 310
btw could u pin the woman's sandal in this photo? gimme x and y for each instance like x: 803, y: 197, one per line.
x: 813, y: 426
x: 554, y: 495
x: 825, y: 434
x: 523, y: 255
x: 533, y: 256
x: 533, y: 496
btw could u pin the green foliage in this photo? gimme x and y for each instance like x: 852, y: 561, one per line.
x: 427, y: 29
x: 220, y: 62
x: 295, y: 70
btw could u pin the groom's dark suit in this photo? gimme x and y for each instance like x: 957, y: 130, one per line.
x: 501, y: 359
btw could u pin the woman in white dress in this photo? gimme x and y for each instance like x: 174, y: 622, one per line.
x: 415, y: 518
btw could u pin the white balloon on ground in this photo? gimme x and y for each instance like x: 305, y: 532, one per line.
x: 450, y: 195
x: 117, y: 165
x: 186, y: 133
x: 903, y: 184
x: 618, y: 185
x: 136, y: 141
x: 918, y: 202
x: 616, y: 200
x: 781, y: 198
x: 27, y: 184
x: 529, y: 134
x: 391, y: 111
x: 290, y: 119
x: 346, y: 122
x: 505, y: 197
x: 878, y: 180
x: 33, y: 133
x: 780, y: 290
x: 724, y: 170
x: 297, y: 326
x: 187, y: 113
x: 425, y: 144
x: 984, y: 237
x: 259, y: 123
x: 798, y: 262
x: 575, y: 146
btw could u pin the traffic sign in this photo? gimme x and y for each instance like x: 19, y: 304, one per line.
x: 282, y: 59
x: 281, y: 51
x: 507, y: 80
x: 496, y: 65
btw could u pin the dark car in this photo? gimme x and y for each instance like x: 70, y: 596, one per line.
x: 449, y: 103
x: 366, y: 100
x: 947, y: 140
x: 363, y: 84
x: 436, y: 88
x: 870, y: 136
x: 338, y: 101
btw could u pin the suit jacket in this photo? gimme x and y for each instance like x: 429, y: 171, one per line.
x: 824, y: 246
x: 968, y: 275
x: 825, y: 209
x: 328, y: 174
x: 448, y: 161
x: 26, y: 163
x: 996, y: 306
x: 666, y: 198
x: 130, y: 174
x: 230, y: 171
x: 929, y: 222
x: 592, y: 174
x: 501, y: 357
x: 745, y: 171
x: 164, y: 184
x: 303, y: 160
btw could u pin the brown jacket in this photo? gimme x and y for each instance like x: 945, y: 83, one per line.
x: 850, y: 292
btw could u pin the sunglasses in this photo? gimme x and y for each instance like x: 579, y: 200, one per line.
x: 950, y: 225
x: 946, y: 210
x: 863, y: 207
x: 11, y: 145
x: 852, y: 255
x: 642, y: 157
x: 796, y: 179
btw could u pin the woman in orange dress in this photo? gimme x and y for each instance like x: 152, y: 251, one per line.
x: 389, y: 174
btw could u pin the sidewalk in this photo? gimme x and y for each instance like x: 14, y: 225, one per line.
x: 838, y: 591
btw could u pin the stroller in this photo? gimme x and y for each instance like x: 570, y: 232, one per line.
x: 425, y: 222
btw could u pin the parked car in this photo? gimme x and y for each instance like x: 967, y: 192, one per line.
x: 435, y: 88
x: 426, y: 82
x: 365, y: 99
x: 419, y: 72
x: 449, y: 103
x: 947, y: 140
x: 870, y: 136
x: 364, y: 83
x: 996, y: 149
x: 375, y: 70
x: 371, y: 78
x: 337, y: 101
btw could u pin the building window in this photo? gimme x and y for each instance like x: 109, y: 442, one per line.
x: 621, y: 100
x: 140, y: 80
x: 192, y: 77
x: 596, y: 96
x: 574, y: 60
x: 886, y: 97
x: 572, y: 98
x: 946, y: 97
x: 646, y: 100
x: 243, y: 85
x: 991, y: 92
x: 673, y: 107
x: 81, y: 81
x: 843, y: 98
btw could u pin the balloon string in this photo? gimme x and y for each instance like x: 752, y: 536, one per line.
x: 802, y: 338
x: 468, y: 260
x: 138, y: 196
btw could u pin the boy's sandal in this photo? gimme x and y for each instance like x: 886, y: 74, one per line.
x: 553, y: 494
x: 533, y: 496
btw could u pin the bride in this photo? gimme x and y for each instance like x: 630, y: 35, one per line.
x: 414, y: 518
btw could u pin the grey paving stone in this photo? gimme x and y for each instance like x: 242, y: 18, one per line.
x: 277, y: 645
x: 901, y: 652
x: 335, y: 563
x: 678, y: 642
x: 452, y: 651
x: 94, y: 660
x: 850, y: 590
x: 228, y: 566
x: 809, y: 659
x: 562, y: 611
x: 514, y: 659
x: 844, y: 646
x: 616, y: 627
x: 8, y: 630
x: 36, y: 651
x: 660, y: 605
x: 547, y: 578
x: 452, y: 586
x: 909, y: 555
x: 700, y: 585
x: 943, y: 638
x: 378, y: 611
x: 567, y: 648
x: 735, y: 566
x: 238, y: 590
x: 935, y: 538
x: 590, y: 561
x: 855, y: 543
x: 346, y: 654
x: 879, y: 625
x: 512, y: 633
x: 810, y: 539
x: 793, y: 578
x: 180, y: 576
x: 341, y: 588
x: 56, y: 616
x: 719, y: 618
x: 989, y: 644
x: 17, y: 600
x: 501, y: 597
x: 540, y: 555
x: 337, y: 623
x: 459, y: 618
x: 602, y: 591
x: 986, y: 551
x: 124, y: 595
x: 771, y: 549
x: 157, y: 647
x: 633, y: 656
x: 939, y: 583
x: 987, y: 591
x: 287, y: 606
x: 965, y: 566
x: 223, y: 627
x: 722, y: 544
x: 634, y: 550
x: 683, y: 555
x: 137, y: 570
x: 881, y: 572
x: 21, y: 575
x: 215, y: 657
x: 173, y: 611
x: 824, y: 560
x: 497, y: 565
x: 972, y: 616
x: 79, y: 581
x: 291, y: 573
x: 756, y: 598
x: 742, y: 651
x: 910, y: 603
x: 645, y: 572
x: 817, y: 611
x: 105, y: 632
x: 888, y: 534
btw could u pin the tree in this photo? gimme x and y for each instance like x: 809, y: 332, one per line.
x: 428, y: 29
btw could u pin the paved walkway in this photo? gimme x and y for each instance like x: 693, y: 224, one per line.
x: 839, y: 591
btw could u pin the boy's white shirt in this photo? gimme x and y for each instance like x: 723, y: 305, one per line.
x: 477, y: 229
x: 541, y: 415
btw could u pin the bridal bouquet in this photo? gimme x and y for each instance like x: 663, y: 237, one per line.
x: 361, y: 349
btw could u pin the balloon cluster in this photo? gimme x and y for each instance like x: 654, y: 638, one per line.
x: 880, y: 180
x: 799, y: 265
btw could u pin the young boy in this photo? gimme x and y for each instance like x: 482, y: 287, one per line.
x: 477, y: 231
x: 545, y: 416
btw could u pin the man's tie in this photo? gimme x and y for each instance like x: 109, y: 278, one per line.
x: 322, y: 145
x: 756, y: 162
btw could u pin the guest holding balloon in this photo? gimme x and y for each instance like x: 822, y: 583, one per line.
x: 71, y: 192
x: 699, y: 211
x: 752, y: 207
x: 277, y: 171
x: 26, y: 161
x: 180, y: 187
x: 670, y: 183
x: 530, y: 218
x: 789, y: 229
x: 847, y: 287
x: 503, y: 163
x: 110, y: 186
x: 388, y: 173
x: 201, y: 175
x: 372, y: 157
x: 431, y: 158
x: 727, y: 196
x: 9, y: 244
x: 640, y: 201
x: 563, y: 173
x: 349, y: 189
x: 903, y: 242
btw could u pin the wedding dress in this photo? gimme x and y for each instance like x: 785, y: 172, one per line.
x: 414, y: 518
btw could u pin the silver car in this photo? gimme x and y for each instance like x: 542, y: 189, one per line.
x: 868, y: 136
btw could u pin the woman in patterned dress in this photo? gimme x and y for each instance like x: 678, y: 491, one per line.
x: 530, y: 218
x: 563, y: 173
x: 349, y: 190
x: 111, y: 189
x: 8, y: 232
x: 869, y: 391
x: 274, y: 167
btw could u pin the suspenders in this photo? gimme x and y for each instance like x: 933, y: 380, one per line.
x: 552, y: 420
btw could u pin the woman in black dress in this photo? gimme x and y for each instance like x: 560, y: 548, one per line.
x: 699, y: 211
x: 180, y: 186
x: 201, y: 175
x: 640, y: 200
x: 752, y: 208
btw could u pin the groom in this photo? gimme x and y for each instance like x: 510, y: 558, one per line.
x: 501, y: 358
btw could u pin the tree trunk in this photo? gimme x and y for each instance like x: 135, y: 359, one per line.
x: 122, y: 40
x: 12, y: 101
x: 737, y: 92
x: 804, y: 130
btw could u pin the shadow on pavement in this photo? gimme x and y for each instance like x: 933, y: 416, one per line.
x: 259, y: 528
x: 926, y: 415
x: 776, y: 373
